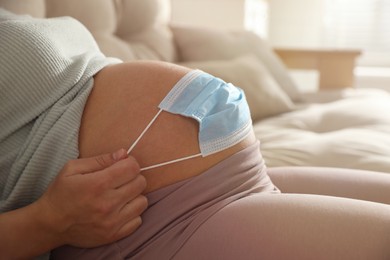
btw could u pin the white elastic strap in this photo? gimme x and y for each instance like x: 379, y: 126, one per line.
x: 160, y: 164
x: 143, y: 132
x: 169, y: 162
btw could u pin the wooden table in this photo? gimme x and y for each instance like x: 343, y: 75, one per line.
x: 335, y: 66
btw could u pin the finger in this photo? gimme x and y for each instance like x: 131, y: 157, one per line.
x: 123, y: 196
x: 134, y: 208
x: 120, y: 173
x: 129, y: 227
x: 96, y: 163
x: 128, y: 192
x: 131, y: 216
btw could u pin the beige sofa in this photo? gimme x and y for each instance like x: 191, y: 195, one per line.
x: 346, y: 128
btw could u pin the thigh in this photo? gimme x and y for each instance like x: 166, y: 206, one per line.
x: 124, y: 99
x: 348, y: 183
x: 293, y: 227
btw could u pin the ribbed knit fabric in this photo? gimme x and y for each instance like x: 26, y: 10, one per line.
x: 46, y: 70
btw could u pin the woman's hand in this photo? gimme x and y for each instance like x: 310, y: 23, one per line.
x: 96, y: 201
x: 93, y: 201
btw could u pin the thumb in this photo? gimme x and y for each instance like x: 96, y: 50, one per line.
x: 99, y: 162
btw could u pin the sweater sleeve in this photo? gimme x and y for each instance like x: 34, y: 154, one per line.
x: 46, y: 74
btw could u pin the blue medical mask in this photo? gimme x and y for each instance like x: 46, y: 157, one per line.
x: 220, y: 108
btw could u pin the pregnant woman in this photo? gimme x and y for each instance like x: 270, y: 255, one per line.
x: 190, y: 134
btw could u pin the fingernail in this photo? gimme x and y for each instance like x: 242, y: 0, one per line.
x: 118, y: 154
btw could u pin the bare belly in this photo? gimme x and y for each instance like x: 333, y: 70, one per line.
x: 124, y: 99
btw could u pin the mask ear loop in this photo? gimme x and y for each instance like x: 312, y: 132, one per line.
x: 160, y: 164
x: 169, y: 162
x: 143, y: 132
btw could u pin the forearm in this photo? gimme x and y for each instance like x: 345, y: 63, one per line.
x: 26, y: 233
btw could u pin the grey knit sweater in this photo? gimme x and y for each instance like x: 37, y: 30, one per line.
x: 46, y: 69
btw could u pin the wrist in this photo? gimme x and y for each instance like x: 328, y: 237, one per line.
x: 27, y: 233
x: 50, y: 223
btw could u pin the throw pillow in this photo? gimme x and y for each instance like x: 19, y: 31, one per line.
x: 200, y: 44
x: 264, y: 95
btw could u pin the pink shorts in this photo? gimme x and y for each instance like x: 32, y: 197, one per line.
x: 177, y: 211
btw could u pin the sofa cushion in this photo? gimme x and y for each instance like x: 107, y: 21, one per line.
x: 127, y: 29
x: 36, y: 8
x: 352, y: 132
x: 264, y: 95
x: 197, y: 44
